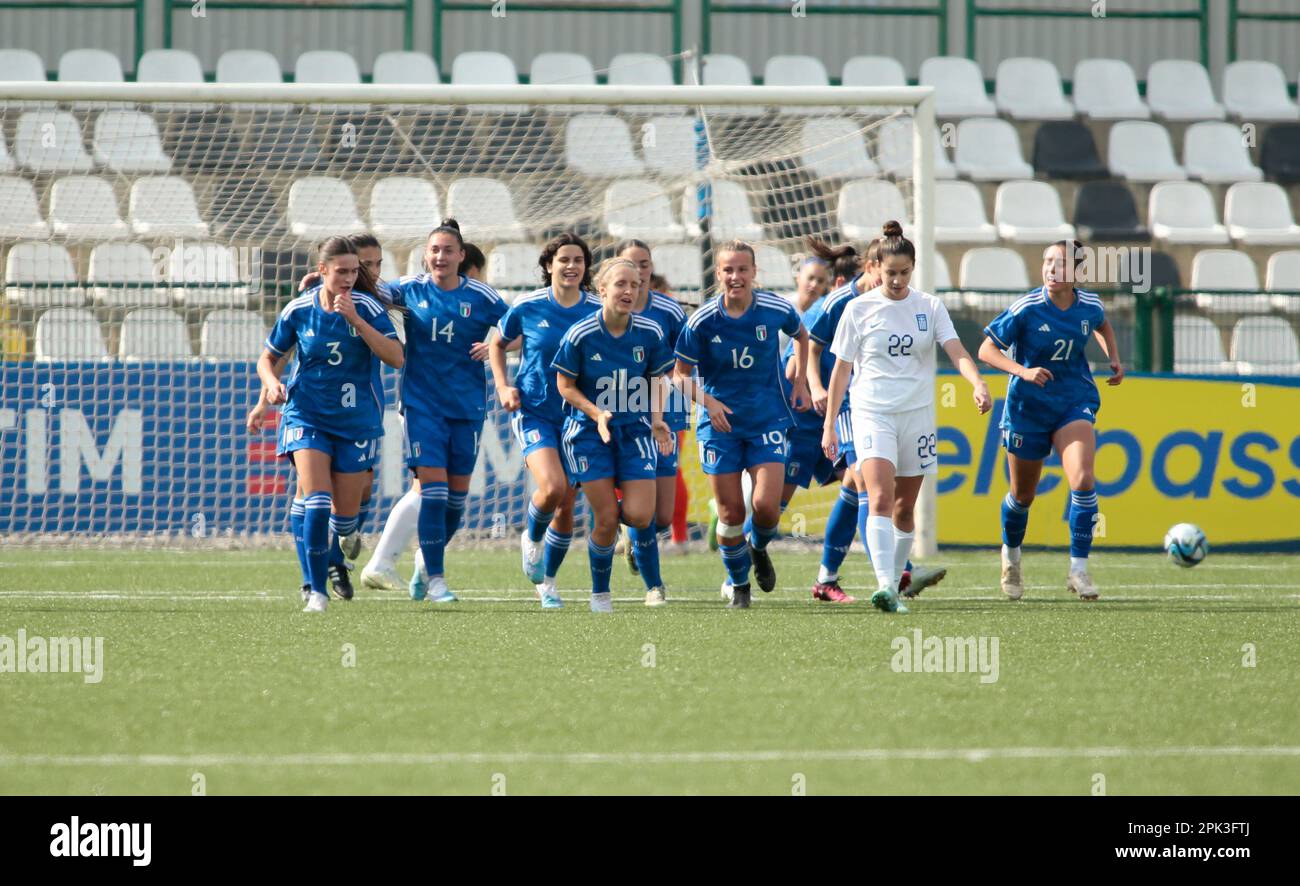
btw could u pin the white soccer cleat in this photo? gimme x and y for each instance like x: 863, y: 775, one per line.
x: 1081, y: 583
x: 726, y: 592
x: 1012, y: 584
x: 316, y: 603
x: 382, y: 579
x: 656, y: 597
x: 438, y: 591
x: 530, y: 554
x: 351, y: 545
x: 602, y: 603
x: 549, y: 596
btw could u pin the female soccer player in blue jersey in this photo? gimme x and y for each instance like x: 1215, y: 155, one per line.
x: 733, y: 343
x: 1052, y: 402
x: 334, y: 403
x: 608, y: 369
x: 444, y: 394
x: 540, y: 320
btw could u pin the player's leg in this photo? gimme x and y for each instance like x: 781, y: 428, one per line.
x: 1024, y: 474
x: 296, y: 514
x: 681, y: 501
x: 841, y: 526
x: 316, y: 480
x: 430, y: 581
x: 559, y: 535
x: 878, y: 477
x: 765, y: 522
x: 906, y: 490
x: 638, y: 509
x: 349, y: 488
x: 552, y: 493
x: 460, y: 466
x: 1077, y: 444
x: 399, y: 529
x: 729, y: 497
x: 603, y: 501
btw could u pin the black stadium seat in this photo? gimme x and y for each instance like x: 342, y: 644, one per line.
x: 1065, y: 149
x: 1107, y: 211
x: 1280, y: 154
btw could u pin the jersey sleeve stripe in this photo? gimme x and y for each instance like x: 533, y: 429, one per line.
x: 665, y: 369
x: 1000, y: 343
x: 702, y: 314
x: 566, y: 370
x: 685, y: 359
x: 272, y: 348
x: 483, y: 289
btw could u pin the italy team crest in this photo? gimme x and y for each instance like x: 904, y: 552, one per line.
x: 761, y: 332
x: 464, y: 309
x: 1084, y: 325
x: 638, y: 354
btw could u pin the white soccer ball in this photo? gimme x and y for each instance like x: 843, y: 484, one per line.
x: 1186, y: 544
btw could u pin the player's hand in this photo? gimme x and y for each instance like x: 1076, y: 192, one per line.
x: 344, y: 304
x: 800, y: 399
x: 253, y: 423
x: 983, y: 402
x: 663, y: 436
x: 1038, y: 375
x: 308, y: 280
x: 602, y: 425
x: 479, y: 350
x: 277, y: 394
x: 820, y: 396
x: 831, y: 442
x: 718, y: 412
x: 1117, y: 373
x: 508, y: 398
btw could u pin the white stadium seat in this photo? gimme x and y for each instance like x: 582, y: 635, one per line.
x: 164, y: 206
x: 1227, y: 269
x: 404, y: 209
x: 1142, y: 152
x: 833, y: 148
x: 1198, y: 346
x: 248, y: 66
x: 561, y: 68
x: 640, y: 209
x: 50, y: 141
x: 128, y: 141
x: 486, y: 69
x: 959, y: 87
x: 1256, y: 90
x: 1030, y: 89
x: 83, y: 207
x: 989, y: 150
x: 125, y: 274
x: 1184, y: 213
x: 1284, y: 275
x: 894, y: 151
x: 679, y: 264
x: 153, y: 334
x: 41, y: 274
x: 401, y: 67
x: 21, y: 64
x: 229, y: 334
x: 959, y: 214
x: 169, y: 66
x: 732, y: 219
x: 729, y: 70
x: 1265, y: 346
x: 390, y: 270
x: 773, y: 268
x: 415, y: 262
x: 69, y: 334
x: 873, y: 70
x: 993, y: 267
x: 326, y: 66
x: 320, y: 207
x: 642, y: 69
x: 1180, y: 90
x: 1215, y: 152
x: 671, y: 148
x: 866, y: 205
x: 943, y: 280
x: 90, y: 65
x: 1030, y: 212
x: 20, y: 214
x: 484, y: 209
x: 208, y: 275
x: 600, y: 145
x: 1259, y: 214
x: 1106, y: 89
x: 512, y: 267
x: 797, y: 70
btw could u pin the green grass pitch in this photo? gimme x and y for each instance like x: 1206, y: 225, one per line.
x: 212, y: 677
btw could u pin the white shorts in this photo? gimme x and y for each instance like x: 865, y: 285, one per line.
x: 908, y: 440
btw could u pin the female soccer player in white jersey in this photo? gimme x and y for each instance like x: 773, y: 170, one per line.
x: 540, y: 320
x: 334, y: 403
x: 886, y: 341
x: 608, y: 369
x: 1052, y: 401
x: 733, y: 343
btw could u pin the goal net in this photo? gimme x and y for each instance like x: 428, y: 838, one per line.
x: 151, y: 233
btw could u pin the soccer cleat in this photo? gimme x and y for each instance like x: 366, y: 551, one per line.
x: 831, y: 592
x: 920, y: 578
x: 656, y: 596
x: 531, y: 556
x: 675, y: 549
x: 1012, y: 585
x: 764, y: 571
x: 549, y: 596
x: 630, y: 553
x: 351, y: 545
x: 316, y: 603
x: 887, y: 601
x: 419, y: 585
x: 438, y: 592
x: 726, y: 590
x: 381, y: 579
x: 602, y: 603
x: 739, y: 597
x: 341, y: 581
x: 1081, y: 583
x: 305, y: 590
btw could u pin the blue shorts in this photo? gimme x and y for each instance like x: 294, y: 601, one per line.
x: 666, y: 465
x: 844, y: 430
x: 1032, y: 441
x: 806, y: 461
x: 533, y: 432
x: 731, y: 454
x: 346, y: 456
x: 630, y: 454
x: 433, y: 441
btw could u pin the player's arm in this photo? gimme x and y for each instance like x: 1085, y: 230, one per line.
x: 269, y: 367
x: 686, y: 382
x: 507, y: 394
x: 387, y: 349
x: 567, y: 385
x: 661, y: 388
x: 1105, y: 335
x: 961, y: 358
x: 800, y: 396
x: 254, y: 421
x: 812, y: 372
x: 839, y: 384
x: 991, y: 354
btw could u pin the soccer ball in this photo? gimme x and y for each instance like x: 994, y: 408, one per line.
x: 1186, y: 544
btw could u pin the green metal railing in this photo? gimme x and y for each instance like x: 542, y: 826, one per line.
x: 1237, y: 15
x: 671, y: 8
x: 136, y: 7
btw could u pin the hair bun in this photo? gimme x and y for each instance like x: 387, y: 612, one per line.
x: 892, y: 229
x: 449, y: 223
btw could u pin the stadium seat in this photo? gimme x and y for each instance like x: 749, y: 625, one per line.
x: 865, y: 206
x: 640, y: 209
x: 164, y: 206
x: 248, y: 66
x: 415, y: 262
x: 390, y: 270
x: 1198, y: 346
x: 320, y: 207
x: 679, y: 264
x: 208, y: 275
x: 1284, y: 276
x: 959, y: 87
x: 1163, y: 271
x: 1280, y: 153
x: 128, y: 141
x: 69, y: 334
x: 1180, y: 90
x: 894, y: 151
x: 512, y: 268
x: 1227, y: 269
x: 797, y: 70
x: 642, y: 69
x: 20, y: 215
x: 229, y: 334
x: 404, y: 209
x: 83, y: 207
x: 1030, y: 89
x: 993, y: 267
x: 729, y: 70
x: 833, y: 148
x: 1142, y: 152
x: 485, y: 211
x: 1214, y: 152
x: 732, y: 218
x: 873, y: 70
x: 959, y: 214
x: 1259, y: 214
x: 1030, y: 212
x: 326, y: 66
x: 564, y: 69
x: 399, y: 67
x: 124, y: 274
x: 1257, y: 91
x: 671, y: 150
x: 773, y: 269
x: 50, y: 141
x: 1265, y: 346
x: 21, y: 64
x: 90, y: 65
x: 244, y: 209
x: 283, y: 142
x: 989, y: 150
x: 600, y: 146
x: 7, y: 163
x: 1106, y: 211
x: 169, y: 66
x: 153, y: 334
x: 1066, y: 149
x: 486, y: 69
x: 41, y: 274
x: 1184, y: 213
x: 1106, y: 89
